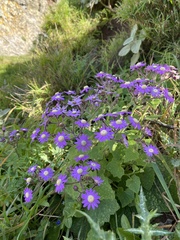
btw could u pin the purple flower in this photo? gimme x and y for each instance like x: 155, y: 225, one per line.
x: 79, y: 171
x: 126, y: 85
x: 73, y: 113
x: 76, y: 101
x: 70, y: 92
x: 134, y: 122
x: 28, y: 194
x: 83, y: 143
x: 98, y: 181
x: 119, y: 124
x: 155, y: 92
x: 94, y: 165
x: 82, y: 123
x: 99, y: 117
x: 81, y: 157
x: 24, y: 130
x: 152, y: 68
x: 137, y: 66
x: 125, y: 141
x: 105, y: 133
x: 35, y: 134
x: 60, y: 139
x: 162, y: 69
x: 62, y: 179
x: 143, y: 88
x: 148, y: 131
x: 90, y: 199
x: 57, y: 97
x: 32, y: 169
x: 56, y: 111
x: 168, y: 96
x: 85, y: 89
x: 151, y: 150
x: 43, y: 137
x: 46, y: 173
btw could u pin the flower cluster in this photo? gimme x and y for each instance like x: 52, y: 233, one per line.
x: 93, y: 116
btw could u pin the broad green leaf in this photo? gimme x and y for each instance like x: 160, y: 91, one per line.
x: 135, y: 58
x: 131, y: 154
x: 125, y: 222
x: 127, y: 235
x: 147, y: 178
x: 106, y: 208
x: 135, y: 47
x: 127, y: 41
x: 126, y: 197
x: 133, y: 183
x: 4, y: 112
x: 105, y: 190
x: 134, y: 30
x: 124, y: 51
x: 115, y: 168
x: 155, y: 103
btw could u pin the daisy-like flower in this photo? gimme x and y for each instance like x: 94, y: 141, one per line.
x: 81, y: 157
x: 32, y: 169
x: 62, y: 179
x: 94, y: 165
x: 119, y: 124
x: 168, y: 96
x: 153, y: 68
x: 143, y: 88
x: 99, y: 117
x: 134, y: 122
x: 82, y: 123
x: 76, y: 101
x: 98, y: 181
x: 57, y: 97
x: 155, y: 92
x: 83, y: 143
x: 70, y: 92
x: 127, y: 85
x: 151, y: 150
x: 79, y: 171
x: 46, y: 173
x: 90, y: 199
x: 104, y: 134
x: 43, y: 137
x: 137, y: 66
x: 148, y: 131
x: 162, y: 69
x: 85, y: 89
x: 56, y: 111
x: 73, y: 113
x: 60, y: 139
x: 125, y: 141
x: 28, y: 194
x: 35, y: 134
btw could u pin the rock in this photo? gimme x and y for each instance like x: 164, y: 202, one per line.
x: 20, y: 24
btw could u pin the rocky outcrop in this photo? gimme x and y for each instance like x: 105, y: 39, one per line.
x: 20, y: 24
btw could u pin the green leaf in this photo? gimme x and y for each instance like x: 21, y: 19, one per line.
x: 155, y: 103
x: 44, y: 203
x: 105, y: 190
x: 133, y: 183
x: 131, y: 154
x: 106, y: 208
x: 126, y: 197
x: 115, y: 168
x: 4, y: 112
x: 125, y: 222
x: 127, y: 235
x: 135, y: 47
x: 135, y: 58
x: 127, y: 41
x: 147, y: 178
x: 124, y: 51
x: 134, y: 30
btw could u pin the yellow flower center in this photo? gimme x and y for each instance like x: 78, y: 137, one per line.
x: 61, y: 138
x: 103, y: 132
x: 90, y: 198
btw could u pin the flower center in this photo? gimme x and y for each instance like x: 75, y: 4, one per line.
x: 90, y: 198
x: 54, y: 110
x: 43, y: 135
x: 143, y: 86
x: 162, y: 68
x: 155, y: 90
x: 119, y: 121
x: 83, y: 121
x: 27, y: 195
x: 100, y: 115
x: 83, y: 143
x: 61, y: 138
x: 46, y: 173
x: 127, y: 83
x: 170, y: 94
x: 85, y: 87
x: 93, y: 164
x: 151, y: 150
x: 74, y: 111
x: 81, y: 155
x: 58, y: 182
x: 103, y: 132
x: 28, y: 180
x: 79, y: 171
x: 135, y: 120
